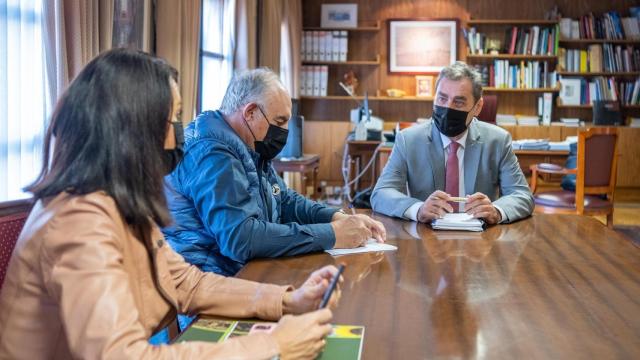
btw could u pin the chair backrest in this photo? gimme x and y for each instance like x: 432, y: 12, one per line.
x: 12, y: 218
x: 597, y: 163
x: 489, y: 109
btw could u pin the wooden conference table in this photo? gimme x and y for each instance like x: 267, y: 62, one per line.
x: 548, y: 287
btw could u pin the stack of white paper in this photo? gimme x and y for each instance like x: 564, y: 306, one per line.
x: 458, y: 221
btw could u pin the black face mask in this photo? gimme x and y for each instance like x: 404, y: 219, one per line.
x: 172, y: 157
x: 273, y: 142
x: 449, y: 121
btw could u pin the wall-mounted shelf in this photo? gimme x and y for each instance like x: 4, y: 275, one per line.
x: 371, y: 98
x: 600, y: 41
x: 589, y: 106
x: 348, y: 62
x: 511, y: 57
x: 361, y: 27
x: 534, y: 90
x: 511, y: 22
x: 591, y: 74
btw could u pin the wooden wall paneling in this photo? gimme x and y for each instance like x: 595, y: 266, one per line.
x: 326, y: 138
x: 629, y: 157
x: 365, y: 45
x: 339, y: 132
x: 326, y: 110
x: 367, y: 79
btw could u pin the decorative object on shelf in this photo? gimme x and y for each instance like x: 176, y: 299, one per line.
x: 570, y: 91
x: 351, y: 82
x: 395, y: 93
x: 339, y: 16
x: 494, y: 46
x: 424, y: 86
x: 409, y: 52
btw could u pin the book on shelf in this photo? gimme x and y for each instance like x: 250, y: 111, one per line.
x: 344, y: 342
x: 547, y: 105
x: 506, y: 119
x: 579, y: 91
x: 534, y: 40
x: 599, y: 58
x: 526, y: 120
x: 608, y: 26
x: 329, y: 46
x: 518, y: 75
x: 314, y: 80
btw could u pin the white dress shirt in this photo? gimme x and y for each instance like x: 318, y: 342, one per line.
x: 412, y: 211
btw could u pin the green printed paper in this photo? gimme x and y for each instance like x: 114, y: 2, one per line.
x: 344, y: 343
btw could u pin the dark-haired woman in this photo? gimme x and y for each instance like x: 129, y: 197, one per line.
x: 91, y: 276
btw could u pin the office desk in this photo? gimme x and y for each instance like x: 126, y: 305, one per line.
x: 309, y: 163
x: 548, y: 287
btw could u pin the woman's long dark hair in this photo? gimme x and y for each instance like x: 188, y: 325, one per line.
x: 107, y: 133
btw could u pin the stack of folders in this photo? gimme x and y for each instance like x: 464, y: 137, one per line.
x: 458, y: 221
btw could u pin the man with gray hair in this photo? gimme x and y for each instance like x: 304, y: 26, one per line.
x: 454, y: 156
x: 228, y: 203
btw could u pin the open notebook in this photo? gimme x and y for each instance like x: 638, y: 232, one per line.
x: 458, y: 221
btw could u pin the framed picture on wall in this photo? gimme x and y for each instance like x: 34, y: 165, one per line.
x: 339, y: 16
x: 424, y: 86
x: 421, y: 46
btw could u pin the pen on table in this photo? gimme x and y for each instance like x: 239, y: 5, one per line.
x: 331, y: 288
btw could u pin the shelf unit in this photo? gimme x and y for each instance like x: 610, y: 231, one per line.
x: 370, y: 98
x: 599, y: 41
x: 511, y: 57
x: 520, y: 90
x: 375, y: 62
x: 361, y: 28
x: 593, y: 74
x: 511, y: 22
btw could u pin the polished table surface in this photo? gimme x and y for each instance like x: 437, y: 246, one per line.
x: 547, y: 287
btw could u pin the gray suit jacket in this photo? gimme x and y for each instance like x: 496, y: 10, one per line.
x: 416, y: 169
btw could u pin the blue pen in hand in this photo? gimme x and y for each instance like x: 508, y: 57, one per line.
x: 331, y: 288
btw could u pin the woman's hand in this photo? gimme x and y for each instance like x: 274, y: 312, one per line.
x: 308, y: 296
x: 302, y: 337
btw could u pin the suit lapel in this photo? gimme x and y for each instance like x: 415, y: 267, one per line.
x: 472, y: 154
x: 436, y: 156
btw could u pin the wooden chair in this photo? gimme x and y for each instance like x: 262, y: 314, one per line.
x: 12, y: 218
x: 595, y: 177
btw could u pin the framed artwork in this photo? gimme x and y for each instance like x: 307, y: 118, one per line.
x: 421, y: 46
x: 339, y: 16
x: 424, y: 86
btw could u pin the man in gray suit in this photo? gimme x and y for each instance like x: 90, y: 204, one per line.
x: 454, y: 155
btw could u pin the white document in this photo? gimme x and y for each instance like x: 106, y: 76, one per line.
x: 371, y: 246
x: 458, y: 221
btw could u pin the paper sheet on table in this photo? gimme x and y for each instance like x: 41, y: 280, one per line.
x: 458, y: 221
x: 371, y: 246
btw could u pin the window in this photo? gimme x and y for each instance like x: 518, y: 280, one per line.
x: 23, y: 95
x: 216, y: 63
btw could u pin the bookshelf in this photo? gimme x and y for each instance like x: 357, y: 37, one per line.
x: 511, y: 57
x: 520, y: 90
x: 363, y: 27
x: 375, y: 62
x: 592, y: 74
x: 599, y: 41
x: 512, y: 22
x: 370, y: 98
